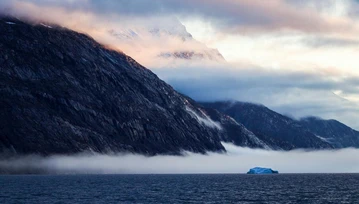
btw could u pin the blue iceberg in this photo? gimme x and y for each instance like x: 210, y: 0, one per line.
x: 260, y: 170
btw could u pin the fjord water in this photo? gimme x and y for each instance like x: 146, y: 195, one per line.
x: 205, y: 188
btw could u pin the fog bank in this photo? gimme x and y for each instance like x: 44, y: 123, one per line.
x: 237, y: 160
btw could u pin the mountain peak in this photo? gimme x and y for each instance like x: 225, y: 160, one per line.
x: 167, y: 39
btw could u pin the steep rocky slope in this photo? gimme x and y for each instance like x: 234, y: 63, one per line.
x: 62, y: 92
x: 232, y: 131
x: 271, y: 127
x: 336, y: 133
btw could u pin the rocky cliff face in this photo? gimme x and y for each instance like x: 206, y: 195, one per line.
x: 271, y: 127
x: 62, y: 92
x: 332, y: 131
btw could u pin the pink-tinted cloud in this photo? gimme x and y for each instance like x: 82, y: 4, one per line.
x: 227, y: 15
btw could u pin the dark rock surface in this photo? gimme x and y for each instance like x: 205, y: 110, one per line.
x: 232, y: 131
x: 62, y: 92
x: 336, y: 133
x: 271, y: 127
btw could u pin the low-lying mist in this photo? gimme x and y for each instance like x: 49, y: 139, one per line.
x: 236, y: 160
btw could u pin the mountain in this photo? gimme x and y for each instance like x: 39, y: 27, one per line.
x: 62, y: 92
x: 166, y: 39
x: 332, y: 131
x: 232, y: 131
x: 271, y: 127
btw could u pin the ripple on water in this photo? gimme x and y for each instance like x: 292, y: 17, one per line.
x: 283, y: 188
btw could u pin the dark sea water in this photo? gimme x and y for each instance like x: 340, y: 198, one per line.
x: 226, y: 188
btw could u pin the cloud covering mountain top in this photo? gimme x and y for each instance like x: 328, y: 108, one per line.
x: 297, y: 57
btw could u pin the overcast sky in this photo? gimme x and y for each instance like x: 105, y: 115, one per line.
x: 298, y: 57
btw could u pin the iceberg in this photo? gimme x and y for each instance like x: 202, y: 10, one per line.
x: 260, y: 170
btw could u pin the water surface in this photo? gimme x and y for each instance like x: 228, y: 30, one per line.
x: 211, y: 188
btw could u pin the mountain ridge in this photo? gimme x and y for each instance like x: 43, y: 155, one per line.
x: 315, y: 128
x: 333, y: 131
x: 267, y: 123
x: 65, y: 93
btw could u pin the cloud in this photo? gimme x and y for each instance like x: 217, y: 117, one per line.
x: 231, y: 77
x: 237, y: 160
x: 291, y: 92
x: 319, y: 42
x: 289, y: 55
x: 231, y: 16
x: 275, y: 20
x: 144, y: 38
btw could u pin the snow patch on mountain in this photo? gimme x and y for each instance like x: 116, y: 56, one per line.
x: 47, y: 26
x: 206, y: 120
x: 324, y: 139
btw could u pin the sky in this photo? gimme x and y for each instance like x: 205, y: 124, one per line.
x: 298, y: 57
